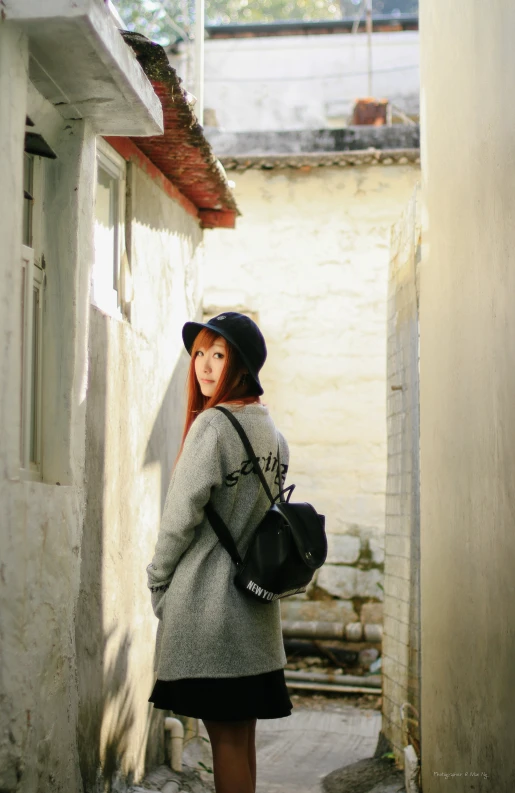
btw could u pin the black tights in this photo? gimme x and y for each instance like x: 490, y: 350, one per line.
x: 234, y: 755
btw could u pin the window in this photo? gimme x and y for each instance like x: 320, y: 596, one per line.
x: 31, y: 353
x: 110, y: 258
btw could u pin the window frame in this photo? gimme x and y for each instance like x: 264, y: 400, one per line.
x: 116, y: 167
x: 33, y: 279
x: 31, y: 381
x: 31, y: 375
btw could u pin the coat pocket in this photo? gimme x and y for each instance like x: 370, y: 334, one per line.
x: 158, y: 599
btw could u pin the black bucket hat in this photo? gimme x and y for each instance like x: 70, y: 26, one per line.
x: 240, y: 331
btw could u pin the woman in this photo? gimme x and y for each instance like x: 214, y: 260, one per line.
x: 219, y: 654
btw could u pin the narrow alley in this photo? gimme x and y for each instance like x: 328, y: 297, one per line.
x: 295, y: 217
x: 320, y: 737
x: 294, y: 755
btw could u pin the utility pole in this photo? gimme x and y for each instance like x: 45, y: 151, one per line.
x: 368, y: 11
x: 199, y: 59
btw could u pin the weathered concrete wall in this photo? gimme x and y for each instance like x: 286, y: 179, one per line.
x: 41, y: 521
x: 467, y: 405
x: 401, y: 623
x: 306, y: 82
x: 76, y: 627
x: 310, y: 257
x: 135, y: 402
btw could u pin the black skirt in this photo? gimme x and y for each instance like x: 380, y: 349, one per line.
x: 225, y: 698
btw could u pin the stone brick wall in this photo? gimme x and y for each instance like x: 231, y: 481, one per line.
x: 309, y: 260
x: 401, y: 623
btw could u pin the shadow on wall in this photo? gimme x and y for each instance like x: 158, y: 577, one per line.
x: 118, y: 719
x: 103, y: 685
x: 118, y: 730
x: 107, y: 711
x: 90, y: 637
x: 169, y: 424
x: 163, y: 447
x: 111, y: 700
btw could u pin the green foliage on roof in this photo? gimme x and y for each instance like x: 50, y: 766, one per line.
x: 166, y: 21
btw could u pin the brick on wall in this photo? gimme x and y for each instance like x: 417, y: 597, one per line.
x: 401, y: 632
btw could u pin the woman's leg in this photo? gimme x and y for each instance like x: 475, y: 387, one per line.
x: 252, y: 753
x: 231, y: 766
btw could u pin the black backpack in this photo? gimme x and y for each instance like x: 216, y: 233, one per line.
x: 286, y: 548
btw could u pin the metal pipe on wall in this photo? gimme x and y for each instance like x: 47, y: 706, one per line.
x: 176, y: 730
x: 368, y: 12
x: 371, y: 681
x: 333, y: 687
x: 199, y: 59
x: 352, y: 632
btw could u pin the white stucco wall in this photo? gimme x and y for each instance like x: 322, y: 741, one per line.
x: 41, y: 521
x: 135, y: 413
x: 467, y: 397
x: 306, y: 82
x: 310, y: 257
x: 76, y: 627
x: 401, y: 622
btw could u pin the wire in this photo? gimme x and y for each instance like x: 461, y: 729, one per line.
x: 306, y: 77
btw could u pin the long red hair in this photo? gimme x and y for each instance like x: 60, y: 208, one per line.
x: 230, y: 388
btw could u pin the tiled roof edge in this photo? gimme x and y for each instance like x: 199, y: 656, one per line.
x: 182, y: 153
x: 358, y: 157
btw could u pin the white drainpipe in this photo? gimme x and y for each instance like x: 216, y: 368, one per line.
x: 176, y: 742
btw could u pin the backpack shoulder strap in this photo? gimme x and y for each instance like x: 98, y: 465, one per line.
x: 223, y: 533
x: 250, y: 451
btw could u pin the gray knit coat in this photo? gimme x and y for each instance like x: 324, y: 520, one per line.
x: 207, y: 627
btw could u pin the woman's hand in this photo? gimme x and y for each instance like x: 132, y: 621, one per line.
x: 157, y: 599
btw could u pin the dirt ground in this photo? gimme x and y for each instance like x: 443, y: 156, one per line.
x: 333, y: 702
